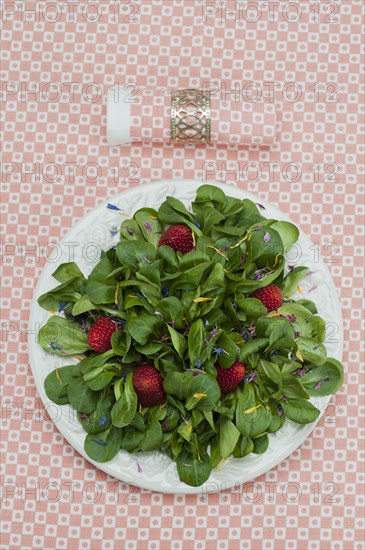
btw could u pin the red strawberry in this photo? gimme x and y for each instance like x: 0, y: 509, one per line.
x: 148, y: 384
x: 100, y: 334
x: 228, y: 379
x: 178, y: 237
x: 270, y: 296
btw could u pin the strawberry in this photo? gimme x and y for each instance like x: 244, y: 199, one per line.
x: 228, y: 379
x: 178, y: 237
x: 148, y: 384
x: 270, y: 296
x: 100, y: 334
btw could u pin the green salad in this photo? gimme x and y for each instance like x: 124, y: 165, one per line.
x: 187, y: 338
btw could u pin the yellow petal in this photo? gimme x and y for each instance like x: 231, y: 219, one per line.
x: 248, y: 411
x: 202, y: 299
x: 276, y: 314
x: 218, y: 252
x: 239, y: 242
x: 58, y: 376
x: 299, y: 356
x: 222, y: 462
x: 116, y: 294
x: 200, y: 395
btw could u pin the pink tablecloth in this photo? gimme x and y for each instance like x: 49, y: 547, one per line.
x: 57, y: 64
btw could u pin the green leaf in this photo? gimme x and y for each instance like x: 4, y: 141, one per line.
x: 168, y: 255
x: 185, y: 430
x: 81, y: 397
x: 131, y: 439
x: 248, y: 215
x: 121, y: 342
x: 67, y: 292
x: 171, y: 310
x: 56, y: 384
x: 135, y: 254
x: 260, y: 444
x: 190, y: 279
x: 83, y: 305
x: 292, y: 279
x: 249, y: 285
x: 312, y: 352
x: 253, y: 346
x: 149, y: 349
x: 152, y: 438
x: 145, y: 328
x: 208, y: 217
x: 94, y: 361
x: 103, y: 446
x: 202, y: 392
x: 147, y: 292
x: 173, y: 211
x: 308, y: 304
x: 99, y: 288
x: 68, y: 271
x: 125, y: 408
x: 118, y: 388
x: 300, y: 411
x: 196, y: 338
x: 273, y: 373
x: 228, y: 437
x: 193, y: 470
x: 215, y: 283
x: 244, y: 447
x: 62, y: 337
x: 308, y: 325
x: 252, y: 416
x: 176, y: 383
x: 130, y: 231
x: 323, y: 380
x: 229, y: 352
x: 264, y: 246
x: 252, y: 307
x: 215, y: 456
x: 210, y: 193
x: 276, y: 420
x: 292, y: 387
x: 192, y: 259
x: 288, y: 232
x: 99, y: 378
x: 178, y: 341
x: 149, y: 224
x: 100, y: 419
x: 152, y: 272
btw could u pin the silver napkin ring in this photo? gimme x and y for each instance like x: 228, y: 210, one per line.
x: 190, y: 116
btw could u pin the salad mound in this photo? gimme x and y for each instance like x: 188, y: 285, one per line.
x: 187, y: 337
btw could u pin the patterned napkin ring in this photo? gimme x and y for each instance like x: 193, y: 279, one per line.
x: 190, y: 116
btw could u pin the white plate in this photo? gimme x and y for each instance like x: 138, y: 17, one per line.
x: 155, y: 471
